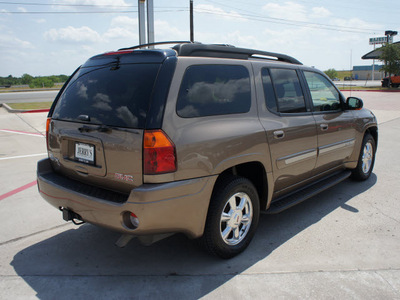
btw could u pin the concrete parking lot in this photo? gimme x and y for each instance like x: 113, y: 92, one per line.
x: 341, y: 244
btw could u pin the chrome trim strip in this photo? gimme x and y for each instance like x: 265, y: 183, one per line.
x: 297, y: 157
x: 301, y: 157
x: 335, y: 146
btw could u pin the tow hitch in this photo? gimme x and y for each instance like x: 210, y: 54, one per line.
x: 69, y: 215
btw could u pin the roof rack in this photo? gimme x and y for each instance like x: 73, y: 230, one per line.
x: 229, y: 51
x: 154, y: 44
x: 187, y: 48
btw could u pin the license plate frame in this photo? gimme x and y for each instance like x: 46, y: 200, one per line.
x: 85, y: 153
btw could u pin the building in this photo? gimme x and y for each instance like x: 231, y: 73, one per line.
x: 365, y: 72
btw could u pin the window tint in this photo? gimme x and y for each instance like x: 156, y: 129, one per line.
x: 269, y: 94
x: 208, y: 90
x: 113, y: 95
x: 324, y: 96
x: 288, y: 91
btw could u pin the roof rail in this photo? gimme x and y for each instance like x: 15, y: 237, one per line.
x: 229, y: 51
x: 154, y: 44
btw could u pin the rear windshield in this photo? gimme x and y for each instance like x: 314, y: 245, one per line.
x: 115, y: 95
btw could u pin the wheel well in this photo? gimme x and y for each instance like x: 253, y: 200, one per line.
x: 374, y: 132
x: 253, y: 171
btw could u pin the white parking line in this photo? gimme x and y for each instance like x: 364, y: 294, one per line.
x: 23, y: 156
x: 22, y: 132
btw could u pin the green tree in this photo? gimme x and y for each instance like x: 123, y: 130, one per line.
x: 41, y: 82
x: 331, y: 73
x: 391, y: 57
x: 26, y: 79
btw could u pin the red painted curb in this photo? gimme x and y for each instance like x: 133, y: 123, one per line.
x: 23, y: 132
x: 381, y: 91
x: 20, y: 189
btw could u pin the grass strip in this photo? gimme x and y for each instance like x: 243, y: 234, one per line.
x: 30, y: 105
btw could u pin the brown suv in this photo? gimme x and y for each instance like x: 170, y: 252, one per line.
x: 198, y: 139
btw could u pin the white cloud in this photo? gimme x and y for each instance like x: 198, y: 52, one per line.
x: 120, y: 33
x: 354, y: 23
x: 289, y: 11
x: 122, y: 27
x: 22, y: 9
x: 73, y: 34
x: 219, y: 12
x: 320, y: 12
x: 110, y: 4
x: 124, y: 21
x: 166, y: 32
x: 40, y: 21
x: 11, y: 42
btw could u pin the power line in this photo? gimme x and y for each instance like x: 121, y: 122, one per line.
x: 251, y: 16
x: 80, y: 5
x: 62, y: 4
x: 82, y: 12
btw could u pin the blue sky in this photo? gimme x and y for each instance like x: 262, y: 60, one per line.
x: 49, y: 37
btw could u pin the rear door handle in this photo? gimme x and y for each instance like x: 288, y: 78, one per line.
x: 324, y: 127
x: 279, y: 134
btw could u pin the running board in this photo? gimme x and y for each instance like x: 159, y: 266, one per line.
x: 294, y: 198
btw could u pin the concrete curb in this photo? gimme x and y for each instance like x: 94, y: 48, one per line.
x: 12, y: 110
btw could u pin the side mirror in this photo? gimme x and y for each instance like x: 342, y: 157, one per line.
x: 354, y: 103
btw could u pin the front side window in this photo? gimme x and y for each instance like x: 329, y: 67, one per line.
x: 288, y: 91
x: 323, y: 94
x: 208, y: 90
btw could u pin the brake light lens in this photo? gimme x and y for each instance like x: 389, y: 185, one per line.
x: 47, y: 132
x: 158, y: 153
x: 118, y: 52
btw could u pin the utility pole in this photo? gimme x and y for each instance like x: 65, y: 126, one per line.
x: 150, y: 22
x: 191, y: 22
x: 142, y: 21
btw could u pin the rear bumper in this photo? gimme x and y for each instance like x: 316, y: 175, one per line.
x: 179, y: 206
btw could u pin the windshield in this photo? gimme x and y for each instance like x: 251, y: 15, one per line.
x: 114, y: 95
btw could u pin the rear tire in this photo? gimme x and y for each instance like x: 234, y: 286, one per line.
x: 232, y: 217
x: 366, y: 159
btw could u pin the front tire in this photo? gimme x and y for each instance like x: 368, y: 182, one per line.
x: 232, y: 217
x: 366, y: 159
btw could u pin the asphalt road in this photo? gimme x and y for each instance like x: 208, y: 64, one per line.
x: 42, y: 96
x: 341, y: 244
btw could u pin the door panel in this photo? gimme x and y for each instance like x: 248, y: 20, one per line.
x: 336, y: 139
x: 290, y: 129
x: 336, y: 133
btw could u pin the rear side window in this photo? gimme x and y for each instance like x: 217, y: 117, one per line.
x: 208, y: 90
x: 116, y: 95
x: 288, y: 91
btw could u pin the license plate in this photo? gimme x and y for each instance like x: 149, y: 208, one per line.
x: 84, y: 153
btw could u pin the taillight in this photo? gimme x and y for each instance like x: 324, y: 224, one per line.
x: 158, y: 153
x: 47, y: 132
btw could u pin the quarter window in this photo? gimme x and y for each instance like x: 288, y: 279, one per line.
x: 323, y: 94
x: 208, y: 90
x: 269, y: 94
x: 288, y: 91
